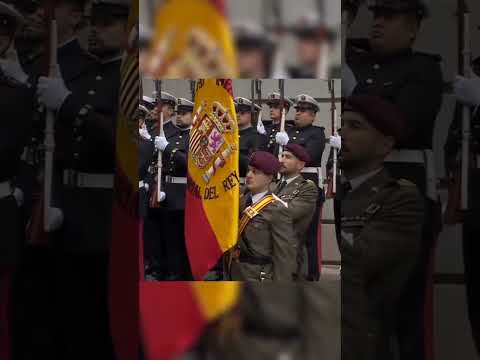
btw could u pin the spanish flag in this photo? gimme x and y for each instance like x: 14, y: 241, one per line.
x: 192, y: 40
x: 212, y: 199
x: 124, y: 244
x: 174, y: 314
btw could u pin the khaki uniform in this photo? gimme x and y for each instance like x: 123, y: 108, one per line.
x: 301, y: 196
x: 380, y: 239
x: 288, y: 321
x: 268, y: 246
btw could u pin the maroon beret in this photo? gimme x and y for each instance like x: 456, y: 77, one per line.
x: 265, y: 162
x: 385, y: 116
x: 299, y: 151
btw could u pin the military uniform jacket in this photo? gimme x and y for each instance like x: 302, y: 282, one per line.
x: 409, y: 79
x: 312, y: 138
x: 16, y: 103
x: 268, y: 245
x: 269, y: 143
x: 174, y: 159
x: 250, y: 141
x: 89, y: 117
x: 301, y: 196
x: 380, y: 236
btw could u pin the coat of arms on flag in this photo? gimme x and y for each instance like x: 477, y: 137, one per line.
x: 211, y: 215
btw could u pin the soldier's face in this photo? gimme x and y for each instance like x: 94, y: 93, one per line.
x: 184, y: 119
x: 290, y: 164
x: 362, y: 144
x: 35, y: 27
x: 392, y: 32
x: 167, y: 110
x: 107, y: 36
x: 256, y: 180
x: 244, y: 118
x: 304, y: 116
x: 251, y: 63
x: 309, y: 50
x: 276, y: 111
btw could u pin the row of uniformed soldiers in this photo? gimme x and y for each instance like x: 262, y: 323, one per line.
x: 165, y: 253
x: 61, y: 275
x: 385, y: 65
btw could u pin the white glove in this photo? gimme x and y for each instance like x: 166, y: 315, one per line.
x: 52, y: 92
x: 467, y: 91
x: 260, y: 128
x: 348, y: 81
x: 335, y: 142
x: 162, y: 196
x: 144, y: 133
x: 161, y: 142
x: 18, y: 195
x: 11, y: 67
x: 282, y: 138
x: 55, y: 219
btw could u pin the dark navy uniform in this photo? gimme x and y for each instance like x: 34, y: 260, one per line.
x: 169, y: 218
x: 271, y: 128
x: 250, y: 139
x: 312, y: 138
x: 413, y: 81
x: 471, y: 226
x: 16, y: 105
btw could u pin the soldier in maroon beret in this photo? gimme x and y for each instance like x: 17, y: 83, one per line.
x: 379, y: 227
x: 267, y: 246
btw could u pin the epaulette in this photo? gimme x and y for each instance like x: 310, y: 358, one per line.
x: 436, y: 57
x: 280, y: 200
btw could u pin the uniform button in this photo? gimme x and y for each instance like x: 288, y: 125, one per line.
x: 91, y: 92
x: 180, y: 137
x: 376, y: 66
x: 79, y: 138
x: 177, y: 143
x: 369, y: 81
x: 294, y: 138
x: 297, y: 132
x: 98, y: 78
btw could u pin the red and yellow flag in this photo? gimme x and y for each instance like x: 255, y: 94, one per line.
x: 174, y: 314
x: 192, y: 40
x: 212, y: 200
x: 124, y: 243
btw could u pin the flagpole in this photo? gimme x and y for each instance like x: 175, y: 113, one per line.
x: 331, y: 85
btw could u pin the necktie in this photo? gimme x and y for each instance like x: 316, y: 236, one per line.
x: 249, y: 201
x: 280, y: 187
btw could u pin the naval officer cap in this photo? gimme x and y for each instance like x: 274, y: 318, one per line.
x: 265, y: 162
x: 249, y: 35
x: 184, y: 105
x: 306, y: 101
x: 244, y: 104
x: 385, y: 116
x: 275, y: 98
x: 418, y: 7
x: 111, y: 7
x: 148, y: 102
x: 10, y: 18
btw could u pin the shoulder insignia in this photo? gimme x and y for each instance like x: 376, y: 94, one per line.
x: 280, y: 200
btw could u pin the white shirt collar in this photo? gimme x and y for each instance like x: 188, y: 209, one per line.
x: 359, y: 180
x: 257, y: 197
